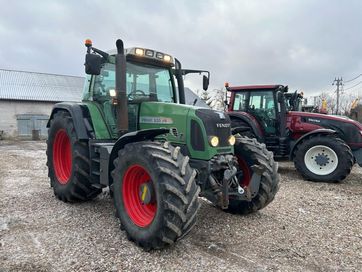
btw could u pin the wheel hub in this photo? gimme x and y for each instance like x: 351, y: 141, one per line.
x: 139, y: 197
x: 322, y: 159
x: 62, y: 157
x: 146, y: 193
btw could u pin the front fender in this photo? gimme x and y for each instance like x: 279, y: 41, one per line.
x: 322, y: 131
x: 132, y: 137
x: 76, y: 112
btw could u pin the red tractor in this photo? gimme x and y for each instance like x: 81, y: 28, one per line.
x: 322, y: 147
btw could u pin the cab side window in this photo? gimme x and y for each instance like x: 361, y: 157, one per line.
x: 240, y: 102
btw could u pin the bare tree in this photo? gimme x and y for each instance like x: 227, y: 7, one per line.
x: 346, y: 100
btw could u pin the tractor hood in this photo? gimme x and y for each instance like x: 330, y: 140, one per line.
x: 349, y: 130
x: 318, y: 116
x: 190, y: 127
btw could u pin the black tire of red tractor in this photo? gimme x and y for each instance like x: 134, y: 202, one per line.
x: 78, y: 188
x: 343, y: 151
x: 255, y: 153
x: 176, y: 193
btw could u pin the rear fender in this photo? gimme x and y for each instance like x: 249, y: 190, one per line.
x: 321, y: 131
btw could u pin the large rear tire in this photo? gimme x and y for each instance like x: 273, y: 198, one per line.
x: 155, y: 193
x: 68, y: 161
x: 250, y: 152
x: 323, y: 158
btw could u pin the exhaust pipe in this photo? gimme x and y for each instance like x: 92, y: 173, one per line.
x: 122, y: 107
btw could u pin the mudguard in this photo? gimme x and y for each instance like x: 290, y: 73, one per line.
x: 322, y: 131
x: 76, y: 112
x: 132, y: 137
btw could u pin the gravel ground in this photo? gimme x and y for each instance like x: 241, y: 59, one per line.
x: 308, y: 227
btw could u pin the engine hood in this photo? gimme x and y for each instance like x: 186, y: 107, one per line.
x: 347, y: 129
x: 326, y: 117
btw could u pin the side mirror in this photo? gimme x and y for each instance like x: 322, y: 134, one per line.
x: 205, y: 82
x: 93, y: 64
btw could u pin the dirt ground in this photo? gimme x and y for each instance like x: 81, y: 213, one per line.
x: 308, y: 227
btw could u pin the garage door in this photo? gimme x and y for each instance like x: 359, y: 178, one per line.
x: 28, y: 122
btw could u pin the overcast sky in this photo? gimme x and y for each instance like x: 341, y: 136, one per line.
x: 303, y: 44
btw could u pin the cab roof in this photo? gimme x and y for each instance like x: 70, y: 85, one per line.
x: 253, y: 87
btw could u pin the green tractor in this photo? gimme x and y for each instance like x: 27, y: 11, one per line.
x: 133, y: 134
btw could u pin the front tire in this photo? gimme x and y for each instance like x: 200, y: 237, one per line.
x: 68, y: 161
x: 250, y: 152
x: 155, y: 193
x: 323, y: 158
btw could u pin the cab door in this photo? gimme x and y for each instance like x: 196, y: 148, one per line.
x: 262, y: 106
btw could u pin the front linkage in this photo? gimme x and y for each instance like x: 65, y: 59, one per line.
x: 241, y: 183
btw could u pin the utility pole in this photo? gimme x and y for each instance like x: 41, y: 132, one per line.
x: 338, y: 82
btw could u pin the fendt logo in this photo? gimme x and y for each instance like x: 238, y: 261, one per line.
x: 219, y: 125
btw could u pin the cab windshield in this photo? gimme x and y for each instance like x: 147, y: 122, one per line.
x: 144, y: 83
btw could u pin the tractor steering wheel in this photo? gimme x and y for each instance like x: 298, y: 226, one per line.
x: 132, y: 95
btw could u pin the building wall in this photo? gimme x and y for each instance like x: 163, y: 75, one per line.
x: 11, y: 109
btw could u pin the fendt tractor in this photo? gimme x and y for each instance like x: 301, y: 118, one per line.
x: 133, y: 134
x: 323, y: 147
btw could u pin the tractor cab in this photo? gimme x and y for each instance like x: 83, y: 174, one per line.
x: 144, y: 83
x: 150, y: 76
x: 260, y: 102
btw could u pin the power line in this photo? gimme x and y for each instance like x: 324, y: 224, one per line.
x: 353, y: 86
x: 346, y: 81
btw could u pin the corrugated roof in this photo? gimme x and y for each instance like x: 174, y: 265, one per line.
x: 21, y: 85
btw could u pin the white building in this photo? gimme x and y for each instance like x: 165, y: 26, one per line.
x: 27, y: 98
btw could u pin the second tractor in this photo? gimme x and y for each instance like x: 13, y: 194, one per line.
x: 322, y: 147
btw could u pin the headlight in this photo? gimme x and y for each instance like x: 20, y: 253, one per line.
x: 167, y: 58
x: 159, y: 55
x: 139, y: 52
x: 232, y: 140
x: 149, y: 53
x: 214, y: 141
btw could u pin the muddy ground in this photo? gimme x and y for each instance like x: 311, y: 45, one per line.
x: 308, y: 227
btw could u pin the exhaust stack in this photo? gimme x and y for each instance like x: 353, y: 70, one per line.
x: 122, y: 107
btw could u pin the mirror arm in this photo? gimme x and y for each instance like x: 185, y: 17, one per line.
x: 188, y: 71
x: 100, y: 52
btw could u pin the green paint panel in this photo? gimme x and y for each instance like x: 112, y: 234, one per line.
x: 99, y: 124
x: 165, y: 115
x: 176, y: 116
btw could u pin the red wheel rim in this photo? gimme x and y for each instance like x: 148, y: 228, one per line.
x: 246, y: 172
x: 141, y: 214
x: 62, y: 157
